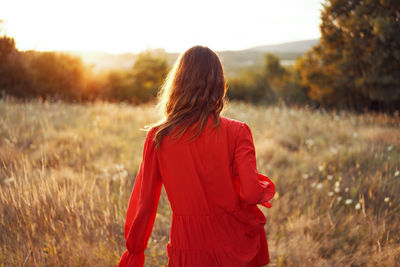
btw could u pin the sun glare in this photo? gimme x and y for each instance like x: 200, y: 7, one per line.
x: 131, y: 26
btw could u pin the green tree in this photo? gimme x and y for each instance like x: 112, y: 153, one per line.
x: 269, y: 84
x: 148, y: 74
x: 357, y: 62
x: 284, y: 81
x: 142, y: 82
x: 251, y: 86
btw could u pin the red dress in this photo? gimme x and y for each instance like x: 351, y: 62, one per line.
x: 213, y: 186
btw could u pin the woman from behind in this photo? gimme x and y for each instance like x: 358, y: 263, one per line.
x: 207, y: 165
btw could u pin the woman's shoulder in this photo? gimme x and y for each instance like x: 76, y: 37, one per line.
x: 150, y: 133
x: 237, y: 128
x: 229, y: 122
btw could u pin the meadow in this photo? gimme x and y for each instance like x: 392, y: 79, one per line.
x: 67, y: 170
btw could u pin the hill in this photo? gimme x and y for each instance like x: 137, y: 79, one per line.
x: 295, y: 47
x: 233, y: 60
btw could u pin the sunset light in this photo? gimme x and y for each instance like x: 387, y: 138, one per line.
x: 131, y: 26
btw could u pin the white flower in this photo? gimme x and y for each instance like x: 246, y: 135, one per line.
x: 319, y: 186
x: 348, y: 201
x: 119, y: 167
x: 330, y: 194
x: 329, y: 177
x: 358, y: 206
x: 397, y: 173
x: 387, y: 199
x: 124, y: 173
x: 313, y: 184
x: 339, y: 199
x: 309, y: 143
x: 321, y: 168
x: 346, y: 189
x: 337, y: 184
x: 9, y: 180
x: 305, y: 176
x: 389, y: 148
x: 337, y: 189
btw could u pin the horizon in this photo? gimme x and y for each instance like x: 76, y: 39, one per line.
x: 162, y: 49
x: 173, y: 26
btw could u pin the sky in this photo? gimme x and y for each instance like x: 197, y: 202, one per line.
x: 123, y: 26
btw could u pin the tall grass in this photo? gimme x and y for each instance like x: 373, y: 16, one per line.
x: 67, y: 170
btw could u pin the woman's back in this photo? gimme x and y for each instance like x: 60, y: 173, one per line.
x: 198, y: 174
x: 211, y: 224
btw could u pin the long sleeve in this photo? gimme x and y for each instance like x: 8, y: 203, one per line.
x: 254, y: 188
x: 142, y: 207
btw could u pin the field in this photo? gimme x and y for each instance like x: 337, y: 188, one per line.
x: 67, y: 170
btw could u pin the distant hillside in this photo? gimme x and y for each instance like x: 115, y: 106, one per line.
x: 234, y: 61
x: 298, y: 46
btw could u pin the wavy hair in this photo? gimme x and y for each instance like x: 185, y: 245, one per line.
x: 194, y: 89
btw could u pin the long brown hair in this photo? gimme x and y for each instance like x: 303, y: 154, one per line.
x: 195, y: 88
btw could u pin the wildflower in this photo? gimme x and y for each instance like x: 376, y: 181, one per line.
x: 309, y: 143
x: 329, y: 177
x: 358, y: 206
x: 313, y: 184
x: 330, y: 194
x: 9, y: 180
x: 305, y: 176
x: 397, y: 173
x: 124, y: 173
x: 337, y: 187
x: 389, y: 148
x: 387, y: 199
x: 339, y: 199
x: 119, y: 167
x: 321, y: 168
x: 319, y: 186
x: 348, y: 201
x: 346, y: 189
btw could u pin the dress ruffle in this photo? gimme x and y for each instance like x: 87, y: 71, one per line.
x: 226, y: 239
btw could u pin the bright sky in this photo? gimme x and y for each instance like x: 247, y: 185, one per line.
x: 120, y: 26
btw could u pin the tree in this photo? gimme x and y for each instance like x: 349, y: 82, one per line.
x: 142, y: 82
x: 56, y: 75
x: 13, y: 72
x: 251, y: 86
x: 284, y: 81
x: 148, y: 74
x: 357, y: 62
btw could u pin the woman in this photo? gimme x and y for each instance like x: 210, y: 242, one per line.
x: 207, y: 165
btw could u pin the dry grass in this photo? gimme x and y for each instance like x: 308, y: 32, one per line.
x: 67, y: 171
